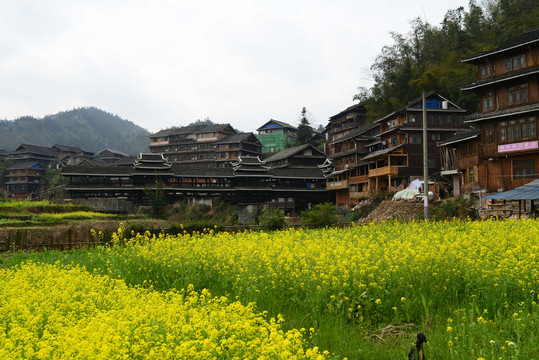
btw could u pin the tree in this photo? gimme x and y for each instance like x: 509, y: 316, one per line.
x: 305, y: 131
x: 157, y: 200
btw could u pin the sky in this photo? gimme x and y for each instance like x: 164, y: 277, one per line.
x: 169, y: 63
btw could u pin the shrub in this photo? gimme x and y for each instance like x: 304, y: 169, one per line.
x: 273, y: 219
x: 461, y: 208
x: 321, y: 215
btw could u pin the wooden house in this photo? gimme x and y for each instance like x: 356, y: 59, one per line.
x: 508, y: 88
x: 203, y: 145
x: 111, y: 155
x: 23, y: 179
x: 33, y: 153
x: 396, y: 156
x: 233, y: 146
x: 302, y: 156
x: 459, y: 156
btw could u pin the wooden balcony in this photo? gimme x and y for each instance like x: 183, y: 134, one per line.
x: 334, y: 185
x: 384, y: 171
x: 359, y: 179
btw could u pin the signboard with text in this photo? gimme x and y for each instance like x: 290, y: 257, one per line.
x: 527, y: 145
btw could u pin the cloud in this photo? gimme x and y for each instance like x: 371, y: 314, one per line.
x: 165, y: 63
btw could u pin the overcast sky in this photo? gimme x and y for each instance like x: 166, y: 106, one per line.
x: 168, y: 63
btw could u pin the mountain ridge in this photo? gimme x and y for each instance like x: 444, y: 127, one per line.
x: 89, y: 128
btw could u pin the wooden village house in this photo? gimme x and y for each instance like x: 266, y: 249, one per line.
x: 503, y: 153
x: 204, y: 145
x: 388, y: 154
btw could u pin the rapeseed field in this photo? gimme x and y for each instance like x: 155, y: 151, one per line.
x: 360, y: 292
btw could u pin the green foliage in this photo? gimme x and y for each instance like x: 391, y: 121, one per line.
x: 273, y: 219
x: 52, y: 178
x: 320, y: 215
x: 89, y: 128
x: 157, y: 200
x: 460, y: 208
x: 428, y: 57
x: 305, y: 131
x: 223, y: 214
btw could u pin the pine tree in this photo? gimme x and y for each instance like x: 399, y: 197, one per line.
x: 305, y: 131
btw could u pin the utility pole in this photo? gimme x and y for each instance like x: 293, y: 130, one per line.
x: 425, y: 162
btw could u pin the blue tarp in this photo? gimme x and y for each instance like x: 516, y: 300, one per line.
x: 530, y: 191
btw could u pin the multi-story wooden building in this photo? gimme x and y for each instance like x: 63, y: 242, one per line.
x: 344, y: 123
x: 33, y: 153
x: 399, y: 158
x: 276, y: 135
x: 297, y: 157
x: 23, y: 179
x: 350, y: 178
x: 203, y: 145
x: 249, y: 181
x: 388, y: 153
x: 111, y: 156
x: 230, y: 148
x: 505, y: 153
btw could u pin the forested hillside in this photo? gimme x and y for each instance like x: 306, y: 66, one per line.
x: 90, y: 128
x: 428, y: 56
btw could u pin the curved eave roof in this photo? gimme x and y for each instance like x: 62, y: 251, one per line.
x: 521, y: 110
x: 489, y: 82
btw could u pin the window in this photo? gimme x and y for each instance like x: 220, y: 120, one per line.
x: 488, y: 102
x: 432, y: 162
x: 485, y: 71
x: 393, y: 141
x: 488, y: 136
x: 414, y: 139
x: 471, y: 175
x: 223, y: 146
x: 518, y: 129
x: 468, y: 149
x: 524, y: 169
x: 515, y: 62
x: 517, y: 94
x: 448, y: 119
x: 411, y: 118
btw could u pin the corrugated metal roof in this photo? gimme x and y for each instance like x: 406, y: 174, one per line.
x: 529, y: 191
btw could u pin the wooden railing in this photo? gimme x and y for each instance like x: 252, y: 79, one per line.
x: 342, y: 184
x: 359, y: 179
x: 386, y: 170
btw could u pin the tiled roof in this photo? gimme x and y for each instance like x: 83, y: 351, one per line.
x: 24, y: 165
x: 191, y: 129
x: 502, y: 113
x: 349, y: 109
x: 66, y: 148
x: 461, y: 136
x: 113, y: 151
x: 416, y: 101
x: 285, y: 153
x: 498, y: 79
x: 282, y: 124
x: 360, y: 130
x: 233, y: 138
x: 35, y: 149
x: 381, y: 152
